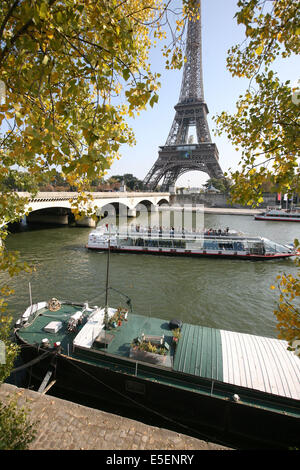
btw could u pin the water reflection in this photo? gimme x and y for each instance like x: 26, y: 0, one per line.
x: 226, y: 294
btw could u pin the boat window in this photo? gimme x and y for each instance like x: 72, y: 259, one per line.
x: 238, y: 246
x: 282, y: 249
x: 223, y: 245
x: 179, y: 244
x: 275, y: 247
x: 139, y: 242
x: 270, y: 246
x: 256, y: 248
x: 166, y: 243
x: 151, y: 243
x: 126, y: 241
x: 210, y: 245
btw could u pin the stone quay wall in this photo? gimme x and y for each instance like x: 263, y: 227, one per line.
x: 218, y: 200
x: 64, y: 425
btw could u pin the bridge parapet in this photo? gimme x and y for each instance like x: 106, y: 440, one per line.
x: 63, y: 196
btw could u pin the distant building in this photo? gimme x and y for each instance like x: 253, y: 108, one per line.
x: 194, y: 190
x: 122, y: 187
x: 212, y: 189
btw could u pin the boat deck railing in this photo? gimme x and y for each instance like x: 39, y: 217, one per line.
x: 156, y: 235
x: 181, y: 237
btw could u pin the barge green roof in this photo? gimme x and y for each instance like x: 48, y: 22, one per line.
x: 199, y: 352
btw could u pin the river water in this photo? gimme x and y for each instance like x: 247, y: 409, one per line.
x: 226, y: 294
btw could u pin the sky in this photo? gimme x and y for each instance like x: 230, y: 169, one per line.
x: 221, y: 91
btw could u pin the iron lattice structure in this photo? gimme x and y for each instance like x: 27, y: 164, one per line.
x: 180, y: 154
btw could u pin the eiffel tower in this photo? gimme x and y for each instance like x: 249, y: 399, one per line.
x: 180, y: 154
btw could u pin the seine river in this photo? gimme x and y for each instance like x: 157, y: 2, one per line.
x: 227, y: 294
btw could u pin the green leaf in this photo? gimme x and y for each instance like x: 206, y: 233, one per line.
x: 43, y: 10
x: 126, y: 74
x: 59, y: 17
x: 153, y: 100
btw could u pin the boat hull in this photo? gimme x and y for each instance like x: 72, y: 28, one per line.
x: 202, y: 415
x: 277, y: 219
x: 191, y: 253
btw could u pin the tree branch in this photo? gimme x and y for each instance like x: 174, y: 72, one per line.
x: 8, y: 15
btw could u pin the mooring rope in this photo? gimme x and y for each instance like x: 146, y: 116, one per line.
x: 32, y: 362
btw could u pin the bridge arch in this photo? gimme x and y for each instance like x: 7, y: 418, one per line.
x: 118, y: 207
x: 144, y: 203
x: 60, y: 215
x: 163, y: 202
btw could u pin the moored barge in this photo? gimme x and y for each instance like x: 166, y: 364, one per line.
x: 238, y: 389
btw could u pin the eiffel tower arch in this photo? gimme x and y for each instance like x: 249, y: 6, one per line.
x: 179, y: 154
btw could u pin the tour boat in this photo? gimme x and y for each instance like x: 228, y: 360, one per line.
x: 280, y: 215
x: 238, y: 389
x: 212, y: 243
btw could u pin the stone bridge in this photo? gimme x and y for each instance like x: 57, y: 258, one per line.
x: 55, y: 207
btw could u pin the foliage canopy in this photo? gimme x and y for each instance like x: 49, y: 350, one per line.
x: 266, y: 126
x: 71, y: 72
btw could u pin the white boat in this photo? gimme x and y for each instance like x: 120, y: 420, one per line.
x: 225, y: 244
x: 280, y: 215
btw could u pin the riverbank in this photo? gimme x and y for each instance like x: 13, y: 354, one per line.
x: 231, y: 211
x: 215, y: 210
x: 63, y: 425
x: 216, y: 200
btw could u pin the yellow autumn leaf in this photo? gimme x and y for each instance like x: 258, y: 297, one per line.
x: 259, y: 50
